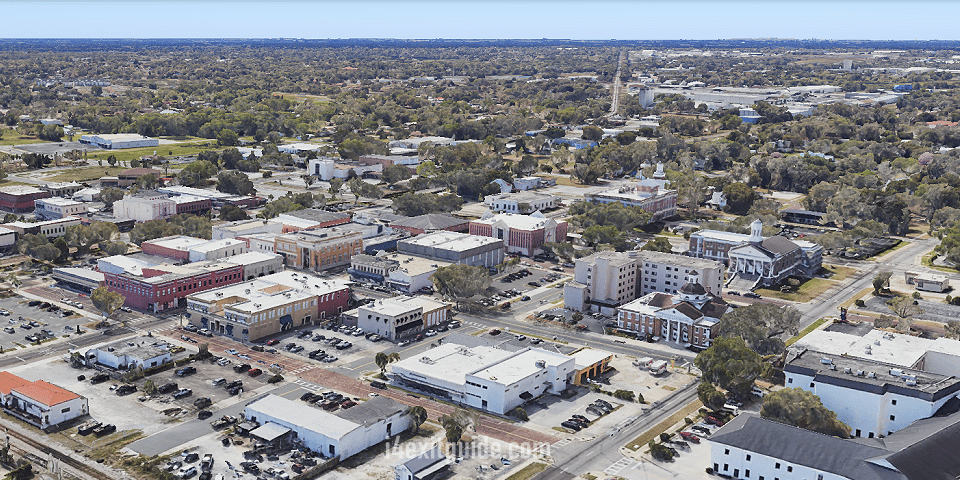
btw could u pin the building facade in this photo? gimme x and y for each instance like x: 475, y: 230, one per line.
x: 144, y: 209
x: 523, y: 234
x: 522, y: 202
x: 371, y: 268
x: 267, y: 305
x: 50, y: 228
x: 40, y: 403
x: 689, y: 317
x: 56, y: 207
x: 141, y: 352
x: 119, y: 140
x: 319, y: 249
x: 257, y: 264
x: 21, y: 198
x: 159, y: 287
x: 602, y: 282
x: 667, y: 272
x: 392, y: 318
x: 649, y: 195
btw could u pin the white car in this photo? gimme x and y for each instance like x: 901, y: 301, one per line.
x: 187, y: 471
x: 430, y: 333
x: 231, y: 352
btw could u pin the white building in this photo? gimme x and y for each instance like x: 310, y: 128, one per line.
x: 62, y: 189
x: 40, y: 403
x: 522, y: 202
x: 119, y: 140
x: 215, y: 249
x: 245, y: 228
x: 486, y: 378
x: 392, y: 318
x: 602, y: 282
x: 257, y: 264
x: 530, y: 183
x: 145, y: 209
x: 50, y: 228
x: 929, y: 282
x: 412, y: 273
x: 424, y: 466
x: 87, y: 194
x: 261, y: 242
x: 328, y: 168
x: 648, y: 194
x: 343, y: 434
x: 57, y: 207
x: 454, y: 247
x: 871, y: 397
x: 666, y: 272
x: 141, y: 352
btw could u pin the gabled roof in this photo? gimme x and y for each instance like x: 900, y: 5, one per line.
x: 662, y: 300
x: 714, y: 309
x: 430, y: 221
x: 9, y: 382
x: 45, y: 393
x: 691, y: 288
x: 688, y: 310
x: 844, y: 458
x: 779, y: 245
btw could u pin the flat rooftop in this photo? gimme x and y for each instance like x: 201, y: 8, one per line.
x: 251, y: 258
x: 412, y: 265
x: 674, y: 259
x: 589, y: 356
x: 722, y: 236
x: 391, y: 307
x: 178, y: 242
x: 521, y: 365
x: 870, y: 375
x: 20, y: 190
x: 211, y: 245
x: 452, y: 362
x: 63, y: 202
x: 316, y: 215
x: 885, y: 347
x: 197, y: 192
x: 521, y: 197
x: 516, y: 220
x: 372, y: 411
x: 141, y: 348
x: 303, y: 416
x: 452, y: 241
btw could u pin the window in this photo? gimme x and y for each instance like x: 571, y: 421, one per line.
x: 811, y: 384
x: 65, y: 410
x: 893, y: 417
x: 893, y: 402
x: 777, y: 466
x: 726, y: 451
x: 748, y: 458
x: 789, y: 468
x: 746, y: 473
x: 789, y: 380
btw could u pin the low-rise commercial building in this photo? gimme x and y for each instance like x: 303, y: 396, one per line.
x: 319, y: 249
x: 116, y: 141
x: 431, y: 222
x: 342, y: 434
x: 425, y: 466
x: 522, y: 202
x: 191, y: 204
x: 216, y: 249
x: 87, y: 194
x: 57, y: 207
x: 62, y: 189
x: 523, y: 234
x: 454, y: 247
x: 531, y: 183
x: 371, y: 268
x: 928, y: 282
x: 156, y: 287
x: 217, y: 199
x: 649, y: 195
x: 870, y: 397
x: 21, y: 198
x: 141, y: 352
x: 145, y: 208
x: 588, y: 363
x: 260, y: 242
x: 81, y: 279
x: 392, y: 318
x: 245, y: 228
x: 257, y: 264
x: 176, y: 247
x: 413, y: 274
x: 267, y: 305
x: 40, y: 403
x: 484, y: 377
x: 310, y: 218
x: 50, y: 228
x: 328, y: 168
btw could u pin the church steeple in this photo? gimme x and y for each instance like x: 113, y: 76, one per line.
x: 756, y: 231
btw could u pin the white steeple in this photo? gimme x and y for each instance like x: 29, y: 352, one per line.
x: 659, y: 174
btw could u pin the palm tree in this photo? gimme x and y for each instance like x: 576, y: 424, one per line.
x: 457, y: 422
x: 382, y: 360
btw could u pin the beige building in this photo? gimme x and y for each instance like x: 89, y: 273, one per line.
x: 319, y: 249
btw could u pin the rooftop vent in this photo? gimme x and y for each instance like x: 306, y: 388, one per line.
x: 896, y: 372
x: 541, y: 363
x: 833, y: 367
x: 859, y: 373
x: 871, y: 375
x: 426, y: 360
x: 847, y: 370
x: 247, y: 291
x: 826, y: 361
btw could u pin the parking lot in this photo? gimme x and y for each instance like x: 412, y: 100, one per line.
x: 19, y: 314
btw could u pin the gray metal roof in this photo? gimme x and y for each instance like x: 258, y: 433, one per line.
x: 371, y: 411
x: 430, y: 221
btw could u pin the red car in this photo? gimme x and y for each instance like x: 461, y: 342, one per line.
x: 714, y: 421
x: 494, y: 332
x: 273, y: 342
x: 254, y: 372
x: 690, y: 437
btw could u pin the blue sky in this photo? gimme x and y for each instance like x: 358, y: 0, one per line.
x: 576, y: 19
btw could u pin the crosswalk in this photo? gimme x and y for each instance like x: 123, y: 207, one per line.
x: 302, y: 369
x: 560, y: 443
x: 308, y: 385
x: 618, y: 466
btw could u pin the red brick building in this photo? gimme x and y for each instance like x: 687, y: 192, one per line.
x: 192, y: 205
x: 159, y: 287
x: 523, y: 234
x: 20, y: 198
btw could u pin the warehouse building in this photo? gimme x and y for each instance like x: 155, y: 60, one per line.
x: 40, y: 403
x: 342, y: 434
x: 484, y: 377
x: 119, y: 140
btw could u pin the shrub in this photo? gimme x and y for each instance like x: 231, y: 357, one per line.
x: 275, y: 379
x: 709, y: 470
x: 519, y: 414
x: 664, y: 437
x: 624, y: 395
x: 267, y: 174
x: 860, y: 303
x: 687, y: 420
x: 916, y: 295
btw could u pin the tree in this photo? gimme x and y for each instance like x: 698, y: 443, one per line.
x: 881, y: 282
x: 232, y: 213
x: 359, y: 188
x: 149, y: 387
x: 110, y: 195
x: 730, y: 364
x: 797, y: 407
x: 237, y: 183
x: 419, y: 415
x: 760, y: 326
x: 227, y: 138
x: 113, y: 248
x: 576, y: 318
x: 308, y: 180
x: 47, y: 252
x: 903, y: 307
x: 112, y: 160
x: 457, y: 422
x: 382, y: 360
x: 335, y: 185
x: 592, y: 133
x: 197, y: 173
x: 416, y: 204
x: 605, y: 235
x: 710, y: 396
x: 460, y: 281
x: 396, y: 173
x: 61, y: 245
x: 106, y: 301
x: 146, y: 182
x: 952, y: 329
x: 658, y: 244
x: 84, y: 237
x: 740, y: 198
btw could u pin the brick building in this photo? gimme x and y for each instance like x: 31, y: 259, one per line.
x: 431, y: 222
x: 523, y: 234
x: 153, y: 287
x: 319, y: 249
x: 21, y: 198
x: 192, y: 204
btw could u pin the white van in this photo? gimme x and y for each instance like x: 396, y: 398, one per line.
x: 658, y: 367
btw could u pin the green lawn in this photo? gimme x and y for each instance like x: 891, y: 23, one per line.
x: 127, y: 155
x: 808, y: 291
x: 14, y: 139
x: 528, y: 471
x: 813, y: 326
x: 840, y: 273
x: 85, y: 174
x: 645, y: 437
x: 927, y: 261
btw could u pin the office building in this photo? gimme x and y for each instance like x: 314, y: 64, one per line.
x: 155, y: 287
x: 689, y: 317
x: 139, y: 353
x: 650, y: 195
x: 145, y: 208
x: 455, y: 247
x: 21, y: 198
x: 319, y: 249
x: 521, y: 202
x: 522, y: 234
x: 57, y: 207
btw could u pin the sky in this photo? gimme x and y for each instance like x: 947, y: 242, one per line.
x: 478, y: 19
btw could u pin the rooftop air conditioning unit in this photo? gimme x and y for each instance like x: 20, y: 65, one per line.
x: 896, y: 372
x: 872, y: 375
x: 847, y: 370
x: 859, y: 373
x: 833, y: 367
x: 541, y: 363
x: 826, y: 361
x: 247, y: 291
x: 911, y: 382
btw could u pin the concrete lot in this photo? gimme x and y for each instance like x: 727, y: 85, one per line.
x: 53, y: 321
x: 51, y: 148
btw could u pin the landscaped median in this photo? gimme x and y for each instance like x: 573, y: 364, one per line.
x: 654, y: 432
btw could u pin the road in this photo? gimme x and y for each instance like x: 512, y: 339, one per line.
x: 575, y: 458
x: 615, y: 103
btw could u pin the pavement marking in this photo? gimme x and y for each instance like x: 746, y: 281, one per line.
x: 618, y: 466
x: 308, y: 385
x: 560, y: 443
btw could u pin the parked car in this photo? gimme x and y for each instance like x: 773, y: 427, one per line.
x: 380, y: 385
x: 273, y: 341
x: 571, y: 425
x: 690, y: 437
x: 714, y: 421
x: 186, y: 371
x: 253, y: 372
x: 751, y: 295
x: 126, y: 389
x: 187, y: 471
x: 204, y: 414
x: 105, y: 429
x: 167, y: 388
x: 242, y: 368
x: 183, y: 392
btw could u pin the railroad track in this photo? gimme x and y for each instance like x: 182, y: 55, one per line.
x: 78, y: 466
